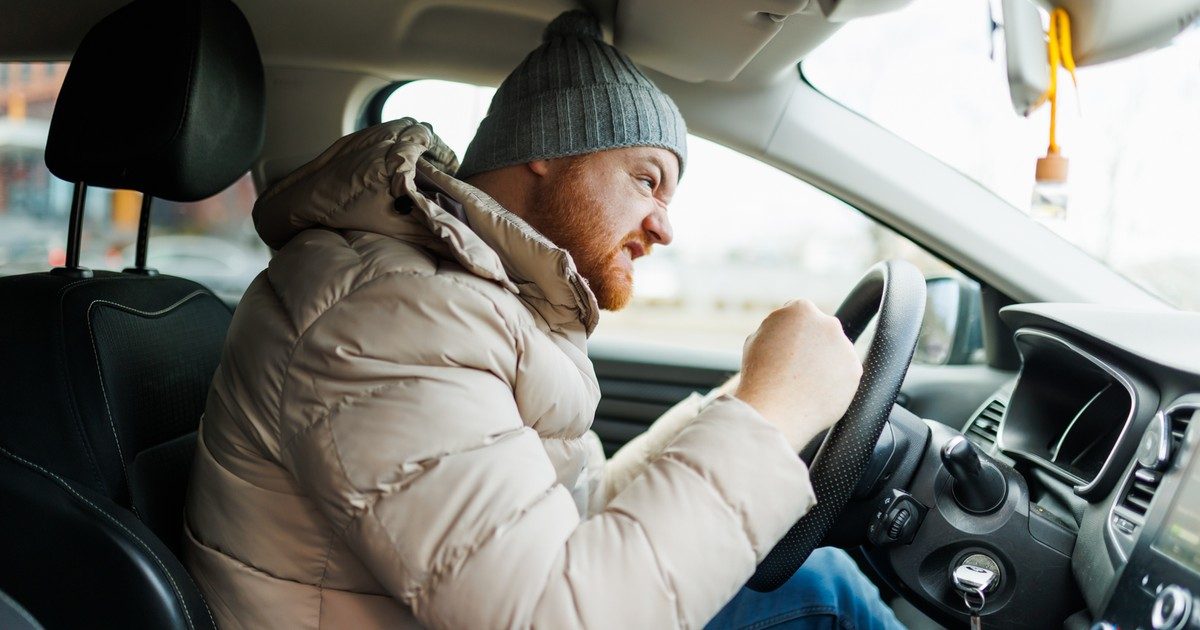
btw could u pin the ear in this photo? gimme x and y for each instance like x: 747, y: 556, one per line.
x: 541, y: 168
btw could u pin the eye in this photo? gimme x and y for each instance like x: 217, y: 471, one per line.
x: 648, y: 181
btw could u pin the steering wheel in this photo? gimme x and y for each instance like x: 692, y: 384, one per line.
x: 895, y: 290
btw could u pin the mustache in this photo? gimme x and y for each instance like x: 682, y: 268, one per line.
x: 638, y: 238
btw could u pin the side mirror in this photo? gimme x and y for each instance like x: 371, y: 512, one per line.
x: 952, y: 333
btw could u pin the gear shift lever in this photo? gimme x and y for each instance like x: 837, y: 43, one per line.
x: 979, y: 486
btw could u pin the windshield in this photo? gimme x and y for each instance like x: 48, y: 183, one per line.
x: 933, y: 73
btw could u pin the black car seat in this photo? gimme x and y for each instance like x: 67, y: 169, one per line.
x: 13, y: 616
x: 104, y: 374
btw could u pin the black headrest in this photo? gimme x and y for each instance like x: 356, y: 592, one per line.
x: 162, y: 96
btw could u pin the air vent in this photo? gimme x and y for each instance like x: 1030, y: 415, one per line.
x: 1136, y: 498
x: 1180, y: 418
x: 1129, y: 513
x: 1142, y: 487
x: 984, y: 429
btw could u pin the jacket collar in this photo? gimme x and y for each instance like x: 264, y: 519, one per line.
x: 391, y: 179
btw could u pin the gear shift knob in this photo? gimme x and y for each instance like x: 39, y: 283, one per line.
x: 978, y: 487
x: 960, y: 458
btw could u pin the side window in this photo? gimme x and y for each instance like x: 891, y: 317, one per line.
x: 211, y: 241
x: 748, y: 237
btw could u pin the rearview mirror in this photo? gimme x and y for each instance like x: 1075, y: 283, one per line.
x: 952, y: 332
x: 1025, y: 55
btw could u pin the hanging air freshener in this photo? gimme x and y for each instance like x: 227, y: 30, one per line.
x: 1050, y: 175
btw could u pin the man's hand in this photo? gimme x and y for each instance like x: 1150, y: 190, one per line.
x: 799, y: 371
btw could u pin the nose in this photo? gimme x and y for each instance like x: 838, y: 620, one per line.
x: 658, y: 226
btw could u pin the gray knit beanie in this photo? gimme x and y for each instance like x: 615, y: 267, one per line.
x: 574, y: 94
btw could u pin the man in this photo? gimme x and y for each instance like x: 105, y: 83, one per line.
x: 398, y: 431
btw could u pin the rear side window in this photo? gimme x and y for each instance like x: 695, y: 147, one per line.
x: 211, y: 241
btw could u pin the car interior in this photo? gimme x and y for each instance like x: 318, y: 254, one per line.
x: 1020, y: 448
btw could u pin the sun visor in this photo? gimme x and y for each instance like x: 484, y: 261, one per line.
x: 714, y: 40
x: 1103, y: 30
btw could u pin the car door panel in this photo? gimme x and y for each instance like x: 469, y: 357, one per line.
x: 639, y: 383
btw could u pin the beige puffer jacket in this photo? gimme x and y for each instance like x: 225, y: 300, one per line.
x: 398, y: 432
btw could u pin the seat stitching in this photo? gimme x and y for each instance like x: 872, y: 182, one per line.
x: 78, y: 417
x: 84, y: 442
x: 100, y: 374
x: 66, y: 486
x: 203, y: 601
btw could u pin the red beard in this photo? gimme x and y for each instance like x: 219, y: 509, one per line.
x: 571, y: 214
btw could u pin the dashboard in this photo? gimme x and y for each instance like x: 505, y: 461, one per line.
x: 1069, y: 410
x: 1101, y: 422
x: 1158, y: 584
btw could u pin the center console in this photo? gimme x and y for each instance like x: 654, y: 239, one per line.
x: 1160, y: 583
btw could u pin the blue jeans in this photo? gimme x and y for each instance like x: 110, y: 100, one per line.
x: 828, y: 592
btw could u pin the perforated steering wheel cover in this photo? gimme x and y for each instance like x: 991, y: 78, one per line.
x: 894, y: 289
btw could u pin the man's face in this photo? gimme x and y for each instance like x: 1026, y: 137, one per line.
x: 607, y: 209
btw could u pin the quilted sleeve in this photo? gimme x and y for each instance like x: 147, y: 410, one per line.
x: 631, y: 460
x: 399, y: 422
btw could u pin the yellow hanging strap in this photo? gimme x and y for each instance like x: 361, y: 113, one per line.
x: 1059, y: 48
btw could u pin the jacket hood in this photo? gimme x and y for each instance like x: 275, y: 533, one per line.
x: 368, y: 181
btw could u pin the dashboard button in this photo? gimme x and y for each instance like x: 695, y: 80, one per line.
x: 897, y: 520
x: 1172, y: 608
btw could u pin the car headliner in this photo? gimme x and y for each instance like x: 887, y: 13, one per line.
x: 470, y: 40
